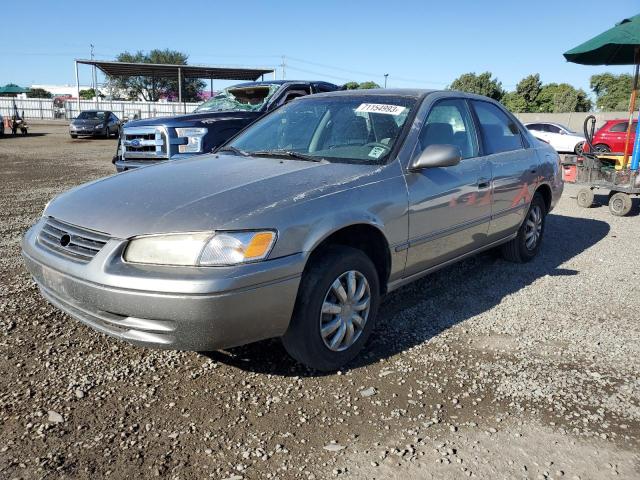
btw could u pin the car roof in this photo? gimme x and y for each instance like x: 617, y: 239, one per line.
x: 543, y: 122
x: 282, y: 82
x: 398, y: 92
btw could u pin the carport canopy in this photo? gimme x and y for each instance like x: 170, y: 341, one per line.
x: 156, y: 70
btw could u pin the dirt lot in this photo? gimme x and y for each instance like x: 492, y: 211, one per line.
x: 485, y: 369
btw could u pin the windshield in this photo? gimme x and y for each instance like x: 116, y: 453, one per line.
x: 249, y: 98
x: 359, y: 129
x: 91, y: 116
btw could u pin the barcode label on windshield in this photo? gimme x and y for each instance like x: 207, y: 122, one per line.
x: 380, y: 108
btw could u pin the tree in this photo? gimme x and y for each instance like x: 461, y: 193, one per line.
x: 360, y: 86
x: 483, y: 84
x: 562, y: 98
x: 515, y: 102
x: 152, y: 89
x: 612, y: 91
x: 39, y: 93
x: 368, y: 85
x: 89, y: 94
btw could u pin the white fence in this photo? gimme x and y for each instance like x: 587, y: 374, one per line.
x: 43, y: 108
x: 32, y: 107
x: 124, y: 109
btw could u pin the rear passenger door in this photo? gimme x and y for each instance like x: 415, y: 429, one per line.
x: 449, y: 207
x: 514, y: 166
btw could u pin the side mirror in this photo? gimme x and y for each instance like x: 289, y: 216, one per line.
x: 436, y: 156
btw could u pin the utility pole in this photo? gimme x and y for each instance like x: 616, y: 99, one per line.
x: 284, y: 67
x: 385, y: 79
x: 95, y: 77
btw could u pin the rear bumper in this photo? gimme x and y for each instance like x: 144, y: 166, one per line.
x: 224, y: 308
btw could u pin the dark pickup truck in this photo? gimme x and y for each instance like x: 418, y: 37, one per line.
x: 148, y: 141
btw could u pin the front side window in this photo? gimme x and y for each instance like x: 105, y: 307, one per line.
x: 554, y: 129
x: 449, y: 122
x: 499, y: 132
x: 357, y: 129
x: 239, y: 98
x: 536, y: 127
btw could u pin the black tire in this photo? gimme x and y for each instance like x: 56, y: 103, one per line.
x: 303, y: 339
x: 579, y: 148
x: 518, y: 250
x: 620, y: 204
x: 73, y: 136
x: 585, y: 198
x: 601, y: 148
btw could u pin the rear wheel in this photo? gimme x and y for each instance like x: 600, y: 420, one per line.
x: 335, y: 310
x: 620, y: 204
x: 585, y: 198
x: 525, y: 246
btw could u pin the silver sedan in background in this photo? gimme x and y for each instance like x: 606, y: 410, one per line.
x: 299, y: 225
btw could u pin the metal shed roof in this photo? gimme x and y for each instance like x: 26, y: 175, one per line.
x: 124, y: 69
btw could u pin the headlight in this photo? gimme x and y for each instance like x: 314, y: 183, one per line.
x: 194, y: 139
x: 100, y: 125
x: 201, y: 249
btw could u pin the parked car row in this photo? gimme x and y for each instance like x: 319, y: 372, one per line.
x: 297, y: 225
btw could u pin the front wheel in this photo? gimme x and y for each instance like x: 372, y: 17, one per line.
x: 527, y: 243
x: 335, y: 310
x: 585, y: 198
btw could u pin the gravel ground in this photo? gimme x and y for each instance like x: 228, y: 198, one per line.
x: 485, y: 369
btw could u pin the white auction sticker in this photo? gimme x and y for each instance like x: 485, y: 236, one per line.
x: 380, y: 108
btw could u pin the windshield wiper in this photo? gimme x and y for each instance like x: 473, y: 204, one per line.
x: 232, y: 149
x: 288, y: 153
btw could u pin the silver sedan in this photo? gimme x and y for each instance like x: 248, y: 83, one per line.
x: 299, y: 225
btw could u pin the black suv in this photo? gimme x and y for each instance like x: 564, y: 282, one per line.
x: 145, y: 142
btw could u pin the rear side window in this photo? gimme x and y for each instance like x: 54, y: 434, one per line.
x: 619, y: 127
x: 449, y: 122
x: 499, y: 132
x: 622, y: 127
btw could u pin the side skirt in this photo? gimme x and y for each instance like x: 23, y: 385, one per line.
x: 406, y: 280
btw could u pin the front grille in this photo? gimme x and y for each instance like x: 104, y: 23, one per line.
x: 73, y: 242
x: 144, y: 143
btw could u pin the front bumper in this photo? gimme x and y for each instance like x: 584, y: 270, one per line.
x: 87, y: 133
x: 181, y: 308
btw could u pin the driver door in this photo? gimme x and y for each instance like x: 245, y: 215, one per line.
x: 449, y: 207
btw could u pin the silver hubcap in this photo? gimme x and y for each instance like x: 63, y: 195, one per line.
x: 345, y: 310
x: 533, y: 228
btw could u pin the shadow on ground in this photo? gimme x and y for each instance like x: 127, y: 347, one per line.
x: 8, y: 135
x: 418, y: 312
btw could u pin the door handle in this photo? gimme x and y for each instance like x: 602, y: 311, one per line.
x: 483, y: 183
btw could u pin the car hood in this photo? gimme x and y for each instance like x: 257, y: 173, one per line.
x: 204, y: 193
x: 191, y: 119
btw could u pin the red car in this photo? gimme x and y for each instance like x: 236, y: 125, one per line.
x: 611, y: 136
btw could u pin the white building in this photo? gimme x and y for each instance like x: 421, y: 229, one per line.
x: 59, y: 90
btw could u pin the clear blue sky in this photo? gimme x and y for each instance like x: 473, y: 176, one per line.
x: 418, y: 43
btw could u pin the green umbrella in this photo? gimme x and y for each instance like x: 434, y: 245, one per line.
x: 616, y: 46
x: 12, y: 88
x: 619, y: 45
